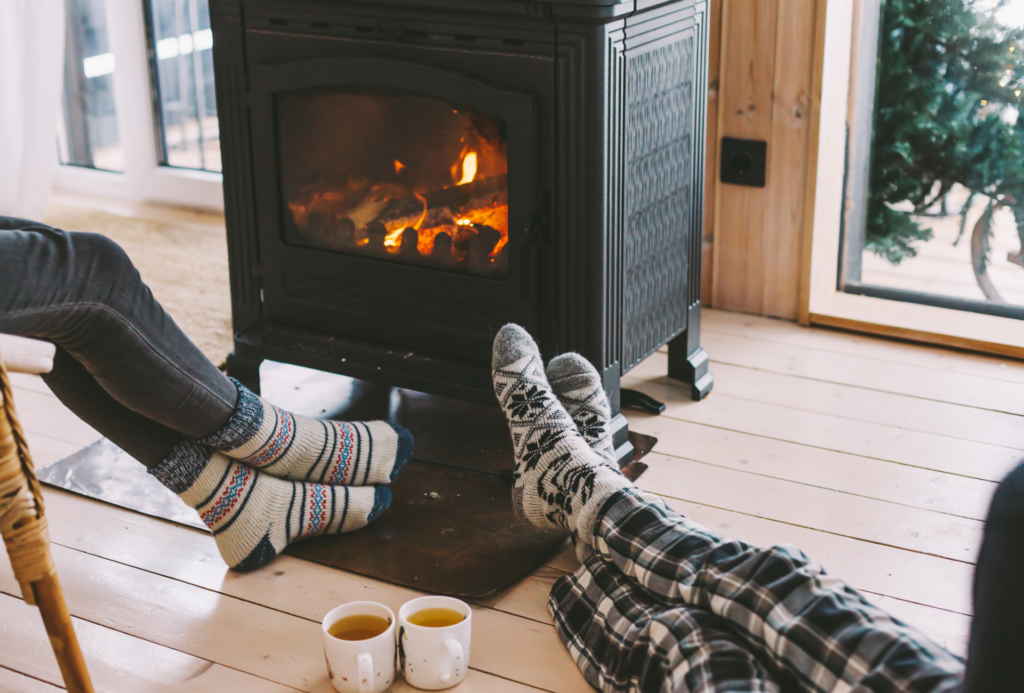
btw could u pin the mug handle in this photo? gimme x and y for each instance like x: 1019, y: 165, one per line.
x: 454, y: 649
x: 365, y: 664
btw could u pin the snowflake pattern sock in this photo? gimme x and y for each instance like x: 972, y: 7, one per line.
x: 559, y: 480
x: 254, y: 516
x: 289, y: 446
x: 576, y: 383
x: 578, y: 387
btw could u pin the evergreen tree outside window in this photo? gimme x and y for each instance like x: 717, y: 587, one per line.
x: 942, y: 218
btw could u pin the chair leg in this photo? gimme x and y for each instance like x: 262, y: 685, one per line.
x: 50, y: 599
x: 23, y: 527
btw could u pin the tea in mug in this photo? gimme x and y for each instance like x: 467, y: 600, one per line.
x: 436, y: 618
x: 359, y: 627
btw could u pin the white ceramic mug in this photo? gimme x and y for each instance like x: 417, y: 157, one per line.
x: 434, y: 658
x: 360, y: 666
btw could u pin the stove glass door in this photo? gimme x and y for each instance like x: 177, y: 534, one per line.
x: 380, y: 172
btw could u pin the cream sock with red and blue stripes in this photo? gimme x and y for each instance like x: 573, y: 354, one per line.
x: 289, y: 446
x: 254, y: 516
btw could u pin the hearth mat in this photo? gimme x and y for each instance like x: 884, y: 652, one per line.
x: 450, y: 528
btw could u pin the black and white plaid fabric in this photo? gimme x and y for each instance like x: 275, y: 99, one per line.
x: 624, y: 640
x: 665, y: 605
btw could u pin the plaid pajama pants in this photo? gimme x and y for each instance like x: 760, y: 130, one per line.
x: 662, y: 604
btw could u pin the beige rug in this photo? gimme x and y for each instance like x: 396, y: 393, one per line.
x: 184, y: 264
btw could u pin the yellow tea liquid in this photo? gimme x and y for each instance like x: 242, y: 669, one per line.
x: 359, y: 627
x: 436, y: 618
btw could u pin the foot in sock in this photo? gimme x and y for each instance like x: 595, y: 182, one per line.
x: 559, y: 480
x: 578, y: 387
x: 285, y: 445
x: 254, y: 516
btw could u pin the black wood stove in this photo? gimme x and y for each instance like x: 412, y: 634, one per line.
x: 403, y: 177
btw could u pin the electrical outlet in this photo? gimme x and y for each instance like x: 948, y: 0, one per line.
x: 743, y: 161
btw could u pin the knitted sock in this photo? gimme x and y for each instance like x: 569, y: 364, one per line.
x: 578, y: 387
x: 289, y: 446
x: 559, y: 480
x: 253, y: 516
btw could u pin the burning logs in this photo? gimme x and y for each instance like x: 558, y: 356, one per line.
x: 463, y: 228
x: 443, y: 207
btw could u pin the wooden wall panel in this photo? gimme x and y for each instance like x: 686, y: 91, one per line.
x: 765, y: 70
x: 787, y: 162
x: 745, y: 111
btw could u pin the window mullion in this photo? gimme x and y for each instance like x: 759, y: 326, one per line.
x: 132, y: 94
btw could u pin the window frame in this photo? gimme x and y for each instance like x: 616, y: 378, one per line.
x: 822, y: 301
x: 144, y: 178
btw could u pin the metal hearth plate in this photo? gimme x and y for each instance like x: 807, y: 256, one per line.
x: 450, y: 529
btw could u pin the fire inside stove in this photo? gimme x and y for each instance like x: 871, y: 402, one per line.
x: 395, y: 176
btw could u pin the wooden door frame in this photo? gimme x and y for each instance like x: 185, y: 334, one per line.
x: 821, y: 303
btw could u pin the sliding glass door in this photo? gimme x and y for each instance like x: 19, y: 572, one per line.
x: 934, y: 195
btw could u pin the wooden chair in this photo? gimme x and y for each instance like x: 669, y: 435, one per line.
x: 23, y: 523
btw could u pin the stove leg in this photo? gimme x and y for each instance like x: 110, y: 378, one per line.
x: 245, y: 370
x: 620, y: 439
x: 619, y: 426
x: 689, y: 363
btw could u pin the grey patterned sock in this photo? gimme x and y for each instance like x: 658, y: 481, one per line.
x: 578, y: 387
x: 559, y: 480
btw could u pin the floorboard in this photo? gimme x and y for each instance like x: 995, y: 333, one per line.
x: 865, y: 346
x: 879, y: 522
x: 829, y: 469
x: 877, y: 458
x: 13, y: 682
x: 47, y: 416
x: 46, y: 450
x: 237, y: 634
x: 117, y: 661
x: 861, y: 405
x: 833, y: 432
x: 867, y: 373
x: 292, y: 587
x: 907, y: 575
x: 947, y: 628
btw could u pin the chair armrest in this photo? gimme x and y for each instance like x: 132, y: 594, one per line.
x: 23, y: 355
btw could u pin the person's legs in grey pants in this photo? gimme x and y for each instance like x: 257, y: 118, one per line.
x: 122, y: 364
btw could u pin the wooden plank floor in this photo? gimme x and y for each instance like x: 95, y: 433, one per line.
x: 877, y: 458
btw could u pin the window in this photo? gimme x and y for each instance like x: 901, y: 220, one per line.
x: 140, y: 115
x: 184, y: 71
x: 88, y: 129
x: 891, y: 192
x: 935, y: 185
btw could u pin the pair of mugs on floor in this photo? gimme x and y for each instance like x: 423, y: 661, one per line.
x: 433, y: 644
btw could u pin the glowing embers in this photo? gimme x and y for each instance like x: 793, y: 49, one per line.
x: 441, y: 202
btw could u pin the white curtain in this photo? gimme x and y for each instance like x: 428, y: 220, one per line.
x: 31, y: 82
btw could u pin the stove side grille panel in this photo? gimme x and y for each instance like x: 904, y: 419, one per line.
x: 659, y: 129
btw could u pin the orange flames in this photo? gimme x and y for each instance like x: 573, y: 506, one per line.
x: 394, y: 238
x: 362, y: 203
x: 468, y: 166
